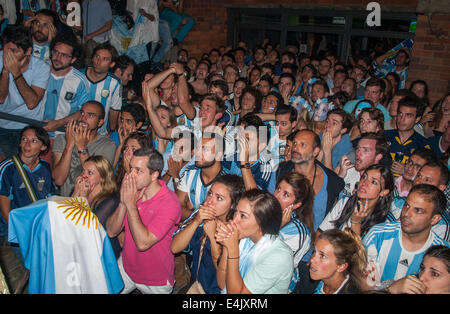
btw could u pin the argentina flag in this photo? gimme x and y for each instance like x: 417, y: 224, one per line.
x: 65, y: 247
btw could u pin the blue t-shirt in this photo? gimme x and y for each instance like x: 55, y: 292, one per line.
x: 207, y: 272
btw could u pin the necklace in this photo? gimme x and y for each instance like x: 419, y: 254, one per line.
x: 314, y: 177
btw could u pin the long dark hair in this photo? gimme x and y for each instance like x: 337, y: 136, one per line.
x: 236, y: 186
x: 382, y: 206
x: 304, y: 193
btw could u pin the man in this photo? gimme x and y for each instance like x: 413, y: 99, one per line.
x: 197, y: 179
x: 34, y: 141
x: 326, y: 185
x: 338, y: 79
x: 285, y: 123
x: 324, y: 72
x: 149, y: 213
x: 105, y: 87
x: 81, y: 140
x: 97, y: 24
x: 254, y: 161
x: 43, y: 31
x: 404, y: 139
x: 124, y: 69
x: 286, y: 87
x: 374, y: 92
x: 259, y: 56
x: 23, y: 81
x: 239, y: 57
x: 335, y: 139
x: 231, y: 74
x: 67, y: 87
x: 393, y: 108
x: 418, y: 159
x: 400, y: 65
x: 396, y: 249
x: 265, y: 85
x: 359, y: 74
x: 434, y: 173
x: 131, y: 119
x: 370, y: 150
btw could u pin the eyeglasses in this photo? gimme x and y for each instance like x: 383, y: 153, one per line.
x: 413, y: 164
x: 59, y: 53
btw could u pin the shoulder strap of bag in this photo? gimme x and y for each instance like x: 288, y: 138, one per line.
x: 25, y: 179
x: 202, y: 247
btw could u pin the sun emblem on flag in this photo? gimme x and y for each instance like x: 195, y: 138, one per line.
x: 78, y: 210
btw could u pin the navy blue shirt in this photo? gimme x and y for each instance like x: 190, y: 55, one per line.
x: 207, y: 273
x: 12, y: 186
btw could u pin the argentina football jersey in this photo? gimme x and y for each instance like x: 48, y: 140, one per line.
x: 384, y: 247
x: 108, y: 92
x: 65, y: 95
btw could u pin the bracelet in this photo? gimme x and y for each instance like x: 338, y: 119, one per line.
x: 18, y: 77
x: 355, y: 223
x: 233, y: 257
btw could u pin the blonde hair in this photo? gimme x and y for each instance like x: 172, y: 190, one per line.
x: 108, y: 183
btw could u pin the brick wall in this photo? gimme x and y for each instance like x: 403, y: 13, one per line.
x: 431, y: 56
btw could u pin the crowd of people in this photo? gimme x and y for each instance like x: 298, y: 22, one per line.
x: 247, y: 170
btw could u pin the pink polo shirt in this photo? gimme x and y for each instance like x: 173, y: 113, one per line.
x: 155, y: 266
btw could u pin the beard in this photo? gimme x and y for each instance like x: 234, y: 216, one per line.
x: 299, y: 159
x: 205, y: 164
x: 63, y: 67
x: 40, y: 37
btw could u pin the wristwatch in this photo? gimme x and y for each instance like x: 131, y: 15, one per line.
x: 184, y: 74
x: 83, y: 151
x: 246, y: 165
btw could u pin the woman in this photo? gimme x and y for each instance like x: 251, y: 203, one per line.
x: 254, y: 259
x: 220, y: 205
x: 367, y: 207
x: 238, y: 87
x: 296, y: 197
x: 133, y: 142
x: 434, y: 275
x: 338, y: 261
x: 96, y: 183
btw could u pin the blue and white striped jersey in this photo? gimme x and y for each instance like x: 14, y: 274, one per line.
x: 192, y: 183
x: 442, y: 228
x: 65, y: 95
x: 109, y: 93
x: 384, y: 246
x: 297, y: 236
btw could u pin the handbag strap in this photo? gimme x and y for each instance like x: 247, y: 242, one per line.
x: 202, y: 247
x: 25, y: 179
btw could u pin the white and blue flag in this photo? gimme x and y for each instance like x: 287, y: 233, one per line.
x: 65, y: 248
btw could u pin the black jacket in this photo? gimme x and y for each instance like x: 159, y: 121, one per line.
x: 334, y: 187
